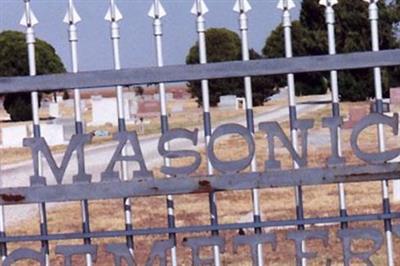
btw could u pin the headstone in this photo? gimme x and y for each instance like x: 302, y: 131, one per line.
x: 356, y: 113
x: 104, y: 110
x: 227, y: 101
x: 12, y: 136
x: 53, y: 134
x: 59, y: 98
x: 240, y: 102
x: 83, y: 105
x: 177, y: 108
x: 96, y: 97
x: 131, y: 108
x: 148, y: 109
x: 68, y: 125
x: 69, y: 103
x: 395, y: 95
x: 169, y: 96
x: 54, y: 110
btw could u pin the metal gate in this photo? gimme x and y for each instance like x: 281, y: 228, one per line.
x: 222, y: 175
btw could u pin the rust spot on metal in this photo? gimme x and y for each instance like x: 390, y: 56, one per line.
x: 12, y: 198
x: 204, y: 186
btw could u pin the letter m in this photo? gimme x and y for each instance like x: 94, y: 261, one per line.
x: 40, y: 147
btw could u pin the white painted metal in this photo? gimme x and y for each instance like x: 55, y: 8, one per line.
x: 373, y: 17
x: 330, y: 22
x: 242, y: 7
x: 199, y: 9
x: 156, y: 12
x: 113, y: 15
x: 29, y: 20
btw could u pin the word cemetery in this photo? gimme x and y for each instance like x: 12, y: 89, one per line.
x: 207, y: 244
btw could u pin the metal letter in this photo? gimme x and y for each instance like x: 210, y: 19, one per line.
x: 369, y: 120
x: 273, y: 129
x: 347, y: 235
x: 69, y: 251
x: 39, y: 145
x: 254, y: 241
x: 197, y: 243
x: 334, y: 123
x: 299, y: 237
x: 177, y: 134
x: 232, y: 166
x: 123, y: 137
x: 120, y: 252
x: 25, y: 254
x: 159, y: 251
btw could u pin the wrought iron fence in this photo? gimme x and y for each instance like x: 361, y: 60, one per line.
x: 221, y: 175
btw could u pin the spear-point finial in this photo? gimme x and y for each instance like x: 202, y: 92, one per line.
x: 199, y: 8
x: 113, y: 13
x: 328, y: 2
x: 157, y: 10
x: 286, y: 4
x: 28, y: 18
x: 242, y: 6
x: 72, y: 16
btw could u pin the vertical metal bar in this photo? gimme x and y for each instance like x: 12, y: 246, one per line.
x: 29, y: 20
x: 3, y: 247
x: 72, y: 18
x: 286, y: 5
x: 242, y: 7
x: 157, y: 12
x: 373, y: 17
x: 330, y: 22
x: 199, y: 10
x: 114, y: 15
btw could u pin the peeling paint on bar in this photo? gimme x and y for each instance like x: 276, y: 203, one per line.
x: 144, y: 187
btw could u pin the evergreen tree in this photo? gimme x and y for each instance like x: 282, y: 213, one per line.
x: 225, y: 45
x: 14, y: 62
x: 352, y: 35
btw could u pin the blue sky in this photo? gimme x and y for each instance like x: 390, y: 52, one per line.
x: 137, y: 46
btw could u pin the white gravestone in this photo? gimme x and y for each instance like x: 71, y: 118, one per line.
x: 104, y: 111
x: 59, y: 98
x: 177, y: 108
x: 240, y: 102
x: 12, y: 136
x: 54, y: 110
x: 227, y: 101
x: 53, y: 134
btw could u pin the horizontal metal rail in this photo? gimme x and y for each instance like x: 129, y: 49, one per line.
x: 178, y: 73
x: 205, y: 184
x: 202, y: 228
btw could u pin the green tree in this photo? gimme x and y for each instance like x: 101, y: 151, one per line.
x: 352, y: 34
x: 225, y: 45
x: 303, y: 44
x: 14, y: 62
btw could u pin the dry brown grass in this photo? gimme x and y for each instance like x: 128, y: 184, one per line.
x: 234, y: 206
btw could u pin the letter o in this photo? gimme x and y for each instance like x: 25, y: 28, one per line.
x: 231, y: 166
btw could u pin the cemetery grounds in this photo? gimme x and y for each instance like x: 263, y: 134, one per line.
x: 276, y: 203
